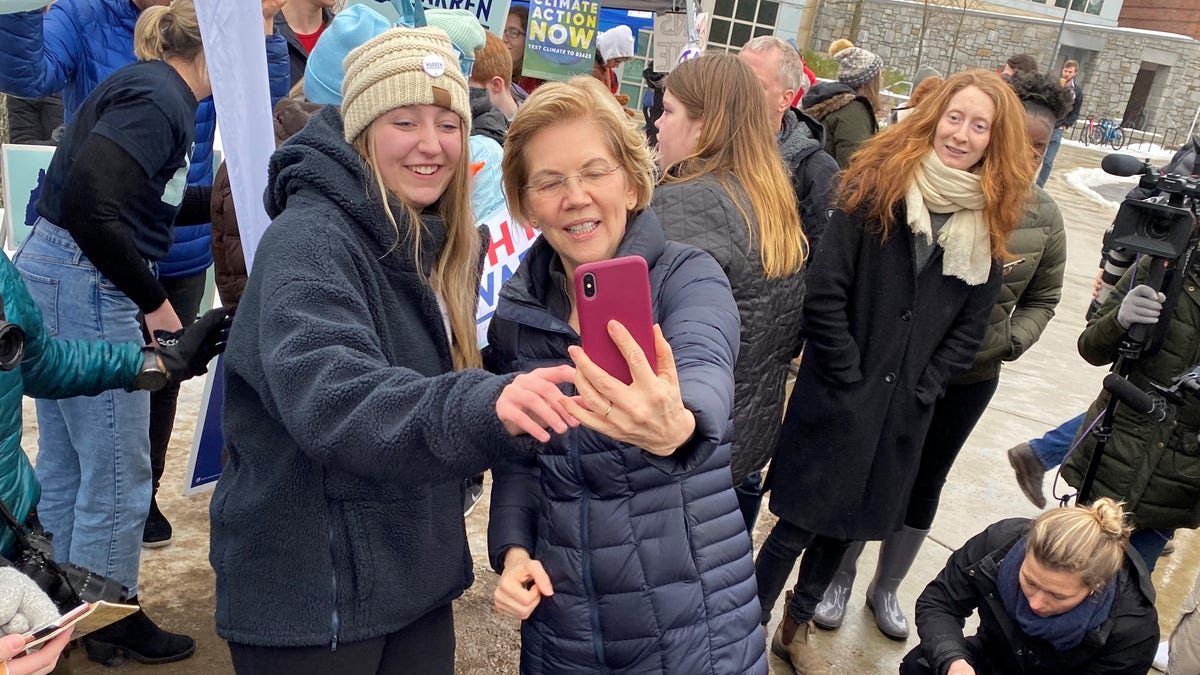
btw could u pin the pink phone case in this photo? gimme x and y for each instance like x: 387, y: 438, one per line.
x: 618, y: 289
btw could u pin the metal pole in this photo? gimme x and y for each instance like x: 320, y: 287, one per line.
x: 1058, y: 40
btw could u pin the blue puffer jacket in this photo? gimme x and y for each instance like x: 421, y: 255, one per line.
x: 648, y: 556
x: 51, y: 369
x: 79, y: 43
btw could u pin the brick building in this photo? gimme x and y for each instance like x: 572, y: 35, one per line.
x: 1169, y: 16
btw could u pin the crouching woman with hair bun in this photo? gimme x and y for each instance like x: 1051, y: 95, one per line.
x: 1060, y: 594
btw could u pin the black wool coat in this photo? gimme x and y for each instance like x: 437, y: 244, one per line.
x: 883, y: 341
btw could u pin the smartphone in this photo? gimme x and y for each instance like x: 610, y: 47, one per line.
x: 618, y: 289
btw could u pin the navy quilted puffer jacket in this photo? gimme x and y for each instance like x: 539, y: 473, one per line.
x: 76, y: 46
x: 648, y: 556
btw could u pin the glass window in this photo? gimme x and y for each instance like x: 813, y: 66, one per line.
x: 763, y: 30
x: 745, y: 10
x: 718, y: 31
x: 767, y: 11
x: 724, y: 7
x: 740, y: 34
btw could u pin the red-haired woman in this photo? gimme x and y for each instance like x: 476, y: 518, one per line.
x: 896, y: 306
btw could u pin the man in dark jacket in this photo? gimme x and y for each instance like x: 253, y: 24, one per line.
x: 1070, y: 69
x: 801, y: 138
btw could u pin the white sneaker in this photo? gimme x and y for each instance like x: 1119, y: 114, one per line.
x: 1160, y: 657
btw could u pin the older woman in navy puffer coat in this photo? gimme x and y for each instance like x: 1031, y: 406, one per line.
x: 621, y: 545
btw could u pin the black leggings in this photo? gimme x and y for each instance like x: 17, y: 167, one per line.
x: 954, y: 417
x: 425, y: 646
x: 777, y: 557
x: 185, y: 294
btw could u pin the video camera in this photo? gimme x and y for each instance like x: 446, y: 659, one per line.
x: 1162, y: 225
x: 1152, y: 227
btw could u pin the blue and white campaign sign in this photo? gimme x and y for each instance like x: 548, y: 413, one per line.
x: 510, y: 242
x: 24, y: 167
x: 237, y: 65
x: 491, y: 13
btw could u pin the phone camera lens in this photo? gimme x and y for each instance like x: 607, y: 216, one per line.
x: 589, y: 285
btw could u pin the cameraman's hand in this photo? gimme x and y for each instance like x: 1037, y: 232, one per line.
x: 38, y: 663
x: 186, y: 352
x: 23, y: 606
x: 1142, y: 305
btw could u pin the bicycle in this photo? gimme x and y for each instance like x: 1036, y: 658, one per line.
x: 1085, y: 131
x: 1107, y: 131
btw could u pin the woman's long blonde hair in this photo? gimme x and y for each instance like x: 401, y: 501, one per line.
x: 737, y: 146
x: 456, y: 271
x: 883, y: 168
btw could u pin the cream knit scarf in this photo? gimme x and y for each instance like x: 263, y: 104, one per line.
x: 964, y: 238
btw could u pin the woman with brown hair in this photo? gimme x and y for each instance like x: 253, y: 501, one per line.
x: 896, y: 306
x: 1061, y: 594
x: 725, y: 190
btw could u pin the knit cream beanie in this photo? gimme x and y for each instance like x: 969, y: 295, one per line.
x: 402, y: 67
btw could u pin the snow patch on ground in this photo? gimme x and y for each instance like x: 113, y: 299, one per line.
x: 1082, y: 179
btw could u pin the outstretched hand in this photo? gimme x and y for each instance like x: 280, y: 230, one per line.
x: 649, y: 413
x: 532, y: 402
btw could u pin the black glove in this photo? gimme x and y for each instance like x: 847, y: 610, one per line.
x: 186, y: 352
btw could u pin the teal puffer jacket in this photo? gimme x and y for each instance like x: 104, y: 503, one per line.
x: 51, y: 368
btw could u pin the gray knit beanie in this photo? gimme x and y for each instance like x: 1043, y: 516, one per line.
x: 857, y: 66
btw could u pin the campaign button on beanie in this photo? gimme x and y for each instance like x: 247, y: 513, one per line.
x: 465, y: 31
x: 402, y: 67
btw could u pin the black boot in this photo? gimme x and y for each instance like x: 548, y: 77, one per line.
x: 832, y: 609
x: 156, y: 533
x: 896, y: 556
x: 138, y: 638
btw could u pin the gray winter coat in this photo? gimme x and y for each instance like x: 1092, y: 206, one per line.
x: 699, y: 212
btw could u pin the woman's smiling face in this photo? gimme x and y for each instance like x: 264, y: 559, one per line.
x: 417, y: 149
x: 577, y: 193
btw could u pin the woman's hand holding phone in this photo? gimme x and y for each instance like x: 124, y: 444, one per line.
x: 38, y: 663
x: 532, y: 402
x: 522, y: 585
x: 649, y: 413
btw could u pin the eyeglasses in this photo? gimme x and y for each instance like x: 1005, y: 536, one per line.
x: 513, y: 33
x: 548, y: 188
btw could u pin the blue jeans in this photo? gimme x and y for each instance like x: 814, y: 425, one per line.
x: 1149, y: 543
x: 1051, y: 152
x: 93, y: 456
x: 1052, y: 448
